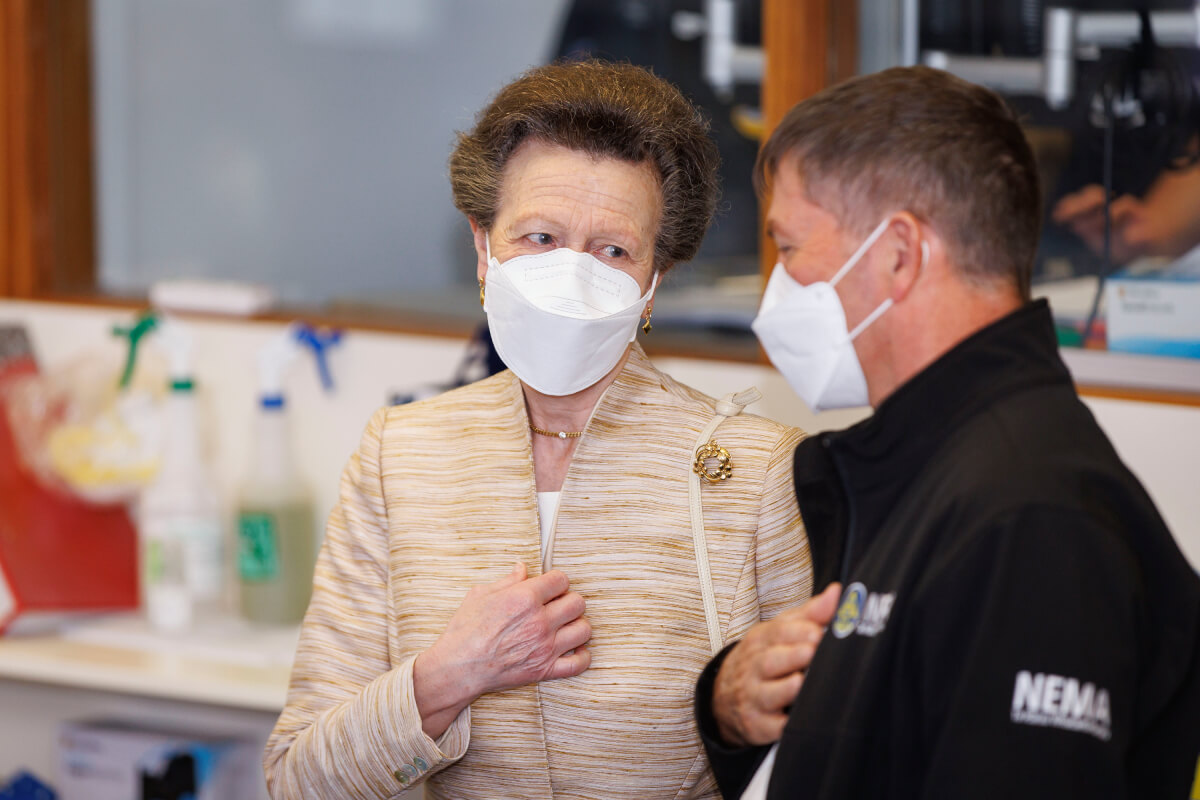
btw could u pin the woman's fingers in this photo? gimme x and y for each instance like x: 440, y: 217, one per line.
x: 563, y: 609
x: 548, y: 586
x: 514, y: 576
x: 570, y: 663
x: 572, y: 636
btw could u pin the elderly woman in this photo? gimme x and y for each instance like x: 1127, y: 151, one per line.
x: 583, y: 184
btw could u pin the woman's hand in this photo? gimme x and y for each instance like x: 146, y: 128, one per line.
x: 515, y: 631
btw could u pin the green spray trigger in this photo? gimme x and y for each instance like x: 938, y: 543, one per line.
x: 145, y: 323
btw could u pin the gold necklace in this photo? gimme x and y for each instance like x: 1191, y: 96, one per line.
x: 556, y: 434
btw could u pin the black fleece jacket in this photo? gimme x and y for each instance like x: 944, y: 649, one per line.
x: 1016, y: 619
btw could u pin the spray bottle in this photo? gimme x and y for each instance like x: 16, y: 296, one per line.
x: 277, y: 542
x: 179, y: 513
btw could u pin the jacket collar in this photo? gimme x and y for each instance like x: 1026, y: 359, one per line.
x: 634, y: 381
x: 866, y: 468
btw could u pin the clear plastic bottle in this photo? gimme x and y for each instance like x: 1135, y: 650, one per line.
x: 179, y: 514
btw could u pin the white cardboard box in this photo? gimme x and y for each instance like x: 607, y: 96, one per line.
x: 1156, y: 313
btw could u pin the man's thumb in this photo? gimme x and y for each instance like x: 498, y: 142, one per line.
x: 824, y: 605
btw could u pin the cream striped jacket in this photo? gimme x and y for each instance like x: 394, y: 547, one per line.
x: 440, y: 497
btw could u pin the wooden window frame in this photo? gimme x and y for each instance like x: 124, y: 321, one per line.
x: 47, y: 212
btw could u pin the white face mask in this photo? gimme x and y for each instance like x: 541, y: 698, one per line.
x: 804, y: 331
x: 561, y: 320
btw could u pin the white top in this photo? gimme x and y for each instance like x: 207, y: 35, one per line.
x: 757, y: 788
x: 547, y: 509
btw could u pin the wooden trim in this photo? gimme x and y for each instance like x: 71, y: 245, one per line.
x: 71, y: 176
x: 1141, y: 395
x: 7, y: 151
x: 662, y: 344
x: 808, y: 45
x: 798, y: 52
x: 6, y: 155
x: 844, y: 37
x: 47, y: 230
x: 25, y: 246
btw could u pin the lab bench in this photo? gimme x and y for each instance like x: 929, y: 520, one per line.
x: 115, y: 671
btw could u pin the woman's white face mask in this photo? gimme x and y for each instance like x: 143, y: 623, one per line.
x: 561, y: 320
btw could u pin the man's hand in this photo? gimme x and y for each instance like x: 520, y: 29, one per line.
x: 762, y: 674
x: 1134, y: 232
x: 514, y: 631
x: 1163, y: 223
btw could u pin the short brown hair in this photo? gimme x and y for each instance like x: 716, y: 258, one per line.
x: 918, y: 139
x: 604, y: 109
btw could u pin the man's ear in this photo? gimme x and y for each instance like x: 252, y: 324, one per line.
x: 911, y: 254
x: 481, y: 259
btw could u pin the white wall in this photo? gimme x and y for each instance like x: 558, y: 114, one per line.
x: 1161, y: 444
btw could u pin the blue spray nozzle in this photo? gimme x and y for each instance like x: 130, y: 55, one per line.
x: 277, y: 355
x: 319, y: 341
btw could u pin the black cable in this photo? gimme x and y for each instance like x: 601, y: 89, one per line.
x: 1106, y: 265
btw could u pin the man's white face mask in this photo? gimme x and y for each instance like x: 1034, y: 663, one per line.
x: 804, y: 331
x: 561, y: 320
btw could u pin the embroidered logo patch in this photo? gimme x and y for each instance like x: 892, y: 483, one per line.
x: 1057, y: 701
x: 861, y: 611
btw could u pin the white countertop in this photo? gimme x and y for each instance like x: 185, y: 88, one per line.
x: 237, y: 666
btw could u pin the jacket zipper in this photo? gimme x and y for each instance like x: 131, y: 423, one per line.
x: 848, y: 548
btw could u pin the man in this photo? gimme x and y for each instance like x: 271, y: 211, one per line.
x: 1008, y: 615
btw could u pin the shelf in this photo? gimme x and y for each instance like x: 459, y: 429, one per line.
x: 120, y: 656
x: 1135, y: 377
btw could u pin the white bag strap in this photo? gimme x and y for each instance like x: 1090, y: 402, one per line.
x: 707, y: 450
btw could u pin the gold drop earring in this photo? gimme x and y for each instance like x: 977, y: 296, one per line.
x: 646, y: 326
x: 481, y: 291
